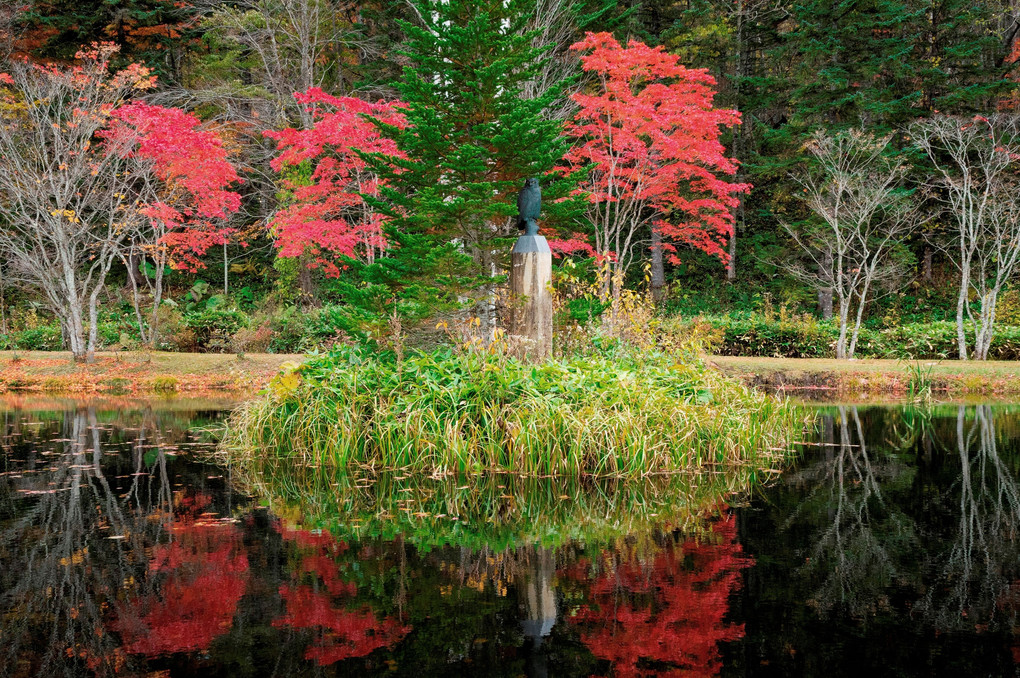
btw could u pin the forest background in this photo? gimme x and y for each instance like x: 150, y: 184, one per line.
x: 326, y: 243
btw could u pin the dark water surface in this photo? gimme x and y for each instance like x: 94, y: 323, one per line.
x: 889, y: 547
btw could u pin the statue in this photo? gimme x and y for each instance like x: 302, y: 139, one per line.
x: 529, y: 207
x: 530, y: 279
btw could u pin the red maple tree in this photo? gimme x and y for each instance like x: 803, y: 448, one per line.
x: 327, y: 218
x: 650, y: 134
x: 667, y: 612
x: 184, y: 179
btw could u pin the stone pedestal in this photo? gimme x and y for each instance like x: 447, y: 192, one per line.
x: 531, y: 316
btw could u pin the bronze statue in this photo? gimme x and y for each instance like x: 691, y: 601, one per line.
x: 529, y: 207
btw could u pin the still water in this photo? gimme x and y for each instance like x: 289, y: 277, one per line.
x: 888, y: 546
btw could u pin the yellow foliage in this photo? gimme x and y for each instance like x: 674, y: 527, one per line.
x: 284, y: 384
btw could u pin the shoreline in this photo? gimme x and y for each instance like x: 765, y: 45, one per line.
x: 810, y: 377
x: 138, y: 372
x: 161, y: 373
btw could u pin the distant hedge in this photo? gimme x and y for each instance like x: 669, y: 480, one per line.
x: 756, y: 336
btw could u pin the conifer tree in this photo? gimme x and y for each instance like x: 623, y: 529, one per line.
x: 470, y: 142
x: 154, y: 32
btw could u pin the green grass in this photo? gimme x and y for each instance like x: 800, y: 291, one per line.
x: 619, y: 414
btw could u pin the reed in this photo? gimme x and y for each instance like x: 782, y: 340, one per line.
x: 619, y: 414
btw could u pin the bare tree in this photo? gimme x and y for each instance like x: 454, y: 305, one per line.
x: 63, y: 190
x: 555, y: 26
x: 10, y: 10
x: 976, y: 186
x: 856, y: 196
x: 298, y: 44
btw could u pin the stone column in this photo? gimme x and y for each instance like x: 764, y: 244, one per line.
x: 531, y: 308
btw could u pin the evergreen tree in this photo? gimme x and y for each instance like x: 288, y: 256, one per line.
x: 153, y: 32
x: 960, y: 58
x: 471, y: 141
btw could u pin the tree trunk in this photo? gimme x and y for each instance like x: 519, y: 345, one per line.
x: 731, y: 265
x: 76, y: 335
x: 306, y: 283
x: 738, y: 133
x: 844, y: 321
x: 825, y: 292
x: 658, y: 281
x: 926, y: 272
x: 134, y: 265
x: 226, y: 270
x: 961, y: 307
x: 90, y: 348
x: 985, y: 332
x: 3, y: 305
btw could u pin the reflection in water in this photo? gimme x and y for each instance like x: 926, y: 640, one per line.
x: 317, y: 600
x: 891, y: 547
x: 976, y: 573
x: 901, y: 537
x: 193, y: 585
x: 663, y: 613
x: 539, y: 597
x: 73, y: 542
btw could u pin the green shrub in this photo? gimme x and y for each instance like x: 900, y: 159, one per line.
x: 756, y: 336
x: 1007, y: 307
x: 40, y: 338
x: 166, y: 384
x: 213, y: 327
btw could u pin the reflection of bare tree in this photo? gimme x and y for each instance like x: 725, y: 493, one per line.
x: 976, y: 571
x: 885, y: 528
x: 853, y: 551
x: 69, y: 552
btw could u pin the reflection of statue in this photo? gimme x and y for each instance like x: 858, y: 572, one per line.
x: 539, y: 597
x: 529, y: 207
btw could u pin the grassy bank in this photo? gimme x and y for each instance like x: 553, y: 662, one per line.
x: 137, y: 372
x: 621, y: 414
x: 873, y: 376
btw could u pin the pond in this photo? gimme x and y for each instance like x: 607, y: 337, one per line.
x: 889, y: 545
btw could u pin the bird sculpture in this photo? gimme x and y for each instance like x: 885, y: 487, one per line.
x: 529, y: 207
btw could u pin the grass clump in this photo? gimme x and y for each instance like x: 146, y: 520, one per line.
x: 166, y: 384
x: 617, y: 413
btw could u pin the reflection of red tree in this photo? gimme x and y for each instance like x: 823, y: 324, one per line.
x: 666, y: 615
x: 207, y: 571
x: 342, y: 632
